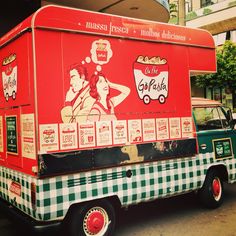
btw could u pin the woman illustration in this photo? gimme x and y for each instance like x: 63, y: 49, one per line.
x: 103, y: 108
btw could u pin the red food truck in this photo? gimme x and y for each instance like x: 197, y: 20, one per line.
x: 96, y: 114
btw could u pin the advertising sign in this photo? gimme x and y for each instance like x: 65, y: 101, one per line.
x: 49, y: 140
x: 222, y: 148
x: 28, y: 136
x: 12, y: 142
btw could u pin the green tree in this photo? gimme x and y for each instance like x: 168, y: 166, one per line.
x: 226, y: 69
x: 173, y: 10
x: 173, y: 14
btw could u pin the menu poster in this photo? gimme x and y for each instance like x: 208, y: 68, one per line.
x: 119, y: 132
x: 222, y: 148
x: 162, y: 127
x: 86, y: 135
x: 149, y: 130
x: 1, y: 134
x: 187, y: 127
x: 28, y: 136
x: 135, y: 131
x: 68, y: 136
x: 11, y: 126
x: 103, y: 133
x: 49, y: 140
x: 175, y: 131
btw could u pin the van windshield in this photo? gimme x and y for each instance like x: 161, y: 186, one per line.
x: 209, y: 118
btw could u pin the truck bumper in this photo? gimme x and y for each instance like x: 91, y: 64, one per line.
x: 35, y: 226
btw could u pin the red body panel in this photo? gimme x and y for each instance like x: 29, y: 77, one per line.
x: 146, y: 67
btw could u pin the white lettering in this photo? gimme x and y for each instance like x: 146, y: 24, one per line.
x: 150, y: 33
x: 96, y: 26
x: 170, y: 35
x: 119, y: 29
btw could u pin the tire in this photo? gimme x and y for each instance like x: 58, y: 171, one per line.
x: 146, y: 99
x: 93, y: 218
x: 161, y: 99
x: 212, y: 192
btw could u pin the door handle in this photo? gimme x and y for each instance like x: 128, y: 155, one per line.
x: 203, y: 146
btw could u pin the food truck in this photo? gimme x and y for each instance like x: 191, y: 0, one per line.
x: 96, y: 114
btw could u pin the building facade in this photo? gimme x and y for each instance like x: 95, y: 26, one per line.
x: 219, y: 18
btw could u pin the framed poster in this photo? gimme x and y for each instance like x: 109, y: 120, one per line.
x: 187, y: 127
x: 103, y: 133
x: 119, y: 132
x: 68, y: 136
x: 86, y: 135
x: 49, y: 140
x: 222, y: 148
x: 28, y: 142
x: 135, y: 131
x: 175, y: 131
x: 11, y: 128
x: 162, y: 126
x: 149, y: 130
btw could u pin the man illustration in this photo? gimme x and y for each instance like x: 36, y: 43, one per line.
x: 78, y: 100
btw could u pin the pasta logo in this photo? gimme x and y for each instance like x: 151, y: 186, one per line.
x: 151, y: 78
x: 9, y: 77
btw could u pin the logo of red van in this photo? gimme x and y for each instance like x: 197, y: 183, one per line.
x: 15, y: 188
x: 151, y: 78
x: 9, y: 77
x: 14, y: 191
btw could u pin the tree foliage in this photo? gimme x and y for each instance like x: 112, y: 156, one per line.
x: 226, y: 69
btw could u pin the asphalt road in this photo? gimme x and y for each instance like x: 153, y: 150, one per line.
x: 178, y: 216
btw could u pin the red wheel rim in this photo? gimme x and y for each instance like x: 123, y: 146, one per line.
x: 96, y: 221
x: 216, y: 187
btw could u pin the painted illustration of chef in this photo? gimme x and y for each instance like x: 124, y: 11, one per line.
x: 103, y: 108
x: 78, y: 100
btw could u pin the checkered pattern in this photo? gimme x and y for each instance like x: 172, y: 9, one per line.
x: 148, y: 181
x: 7, y: 174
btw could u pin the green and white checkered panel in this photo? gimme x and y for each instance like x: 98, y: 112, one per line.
x: 148, y: 181
x: 231, y: 167
x: 24, y: 201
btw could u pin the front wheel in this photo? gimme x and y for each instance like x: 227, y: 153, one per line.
x: 212, y: 192
x: 93, y: 218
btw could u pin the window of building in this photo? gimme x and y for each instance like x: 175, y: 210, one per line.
x: 205, y: 3
x: 188, y: 6
x: 220, y: 39
x: 233, y: 36
x: 223, y: 95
